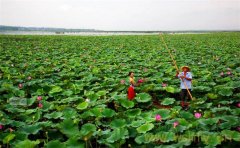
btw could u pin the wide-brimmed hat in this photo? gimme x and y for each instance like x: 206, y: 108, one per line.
x: 186, y: 67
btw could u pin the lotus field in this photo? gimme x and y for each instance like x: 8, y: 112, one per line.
x: 71, y: 91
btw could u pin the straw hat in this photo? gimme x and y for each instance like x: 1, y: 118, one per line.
x: 186, y: 67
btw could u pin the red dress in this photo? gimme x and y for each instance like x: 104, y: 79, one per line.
x: 131, y: 93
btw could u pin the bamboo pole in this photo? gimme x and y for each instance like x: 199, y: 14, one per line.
x: 175, y: 65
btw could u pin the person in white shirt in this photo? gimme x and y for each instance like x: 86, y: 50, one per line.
x: 185, y: 76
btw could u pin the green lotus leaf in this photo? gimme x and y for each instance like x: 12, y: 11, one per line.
x: 31, y: 129
x: 117, y: 134
x: 69, y: 113
x: 47, y: 105
x: 148, y: 116
x: 219, y: 109
x: 140, y: 139
x: 17, y: 101
x: 186, y: 115
x: 231, y: 135
x: 97, y: 111
x: 168, y: 101
x: 108, y: 113
x: 95, y: 70
x: 87, y: 129
x: 8, y: 138
x: 209, y: 121
x: 93, y: 97
x: 55, y: 89
x: 137, y: 123
x: 119, y: 97
x: 225, y: 91
x: 82, y: 105
x: 212, y: 96
x: 235, y: 84
x: 73, y: 142
x: 76, y: 88
x: 102, y: 93
x: 211, y: 140
x: 27, y: 144
x: 166, y: 136
x: 55, y: 143
x: 145, y: 128
x: 67, y: 93
x: 118, y: 123
x: 68, y: 127
x: 126, y: 103
x: 202, y: 88
x: 133, y: 112
x: 53, y: 115
x: 31, y: 101
x: 170, y: 89
x: 236, y: 112
x: 230, y: 121
x: 69, y: 99
x: 143, y: 97
x: 17, y: 123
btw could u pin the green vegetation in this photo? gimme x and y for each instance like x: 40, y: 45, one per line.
x: 70, y: 91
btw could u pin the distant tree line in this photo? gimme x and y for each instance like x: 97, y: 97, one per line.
x: 17, y: 28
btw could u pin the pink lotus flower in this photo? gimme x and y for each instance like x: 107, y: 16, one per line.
x: 228, y: 69
x: 20, y: 85
x: 164, y: 84
x: 39, y: 98
x: 40, y: 105
x: 229, y: 73
x: 238, y: 104
x: 1, y: 126
x: 29, y: 78
x: 158, y: 117
x: 122, y: 81
x: 175, y: 124
x: 221, y: 74
x: 197, y: 115
x: 140, y: 81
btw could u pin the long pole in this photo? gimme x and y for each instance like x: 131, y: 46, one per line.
x: 175, y: 65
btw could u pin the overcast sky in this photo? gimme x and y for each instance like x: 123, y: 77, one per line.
x: 123, y: 14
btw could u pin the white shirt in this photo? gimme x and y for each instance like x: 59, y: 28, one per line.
x: 188, y: 83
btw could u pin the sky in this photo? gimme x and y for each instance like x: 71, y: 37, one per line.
x: 123, y: 15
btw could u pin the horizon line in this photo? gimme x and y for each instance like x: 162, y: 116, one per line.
x: 206, y: 30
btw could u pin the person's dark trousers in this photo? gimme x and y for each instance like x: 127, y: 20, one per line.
x: 184, y: 96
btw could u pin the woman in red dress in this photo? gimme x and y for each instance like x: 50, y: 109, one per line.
x: 131, y: 92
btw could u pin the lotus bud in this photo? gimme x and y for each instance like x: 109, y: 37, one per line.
x: 238, y: 105
x: 198, y: 115
x: 175, y: 124
x: 122, y: 81
x: 158, y: 117
x: 164, y: 84
x: 40, y: 105
x: 39, y: 98
x: 20, y: 86
x: 221, y: 74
